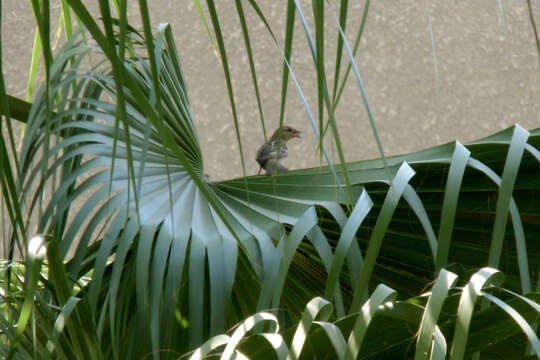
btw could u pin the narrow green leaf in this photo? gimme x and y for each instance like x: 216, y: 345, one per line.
x: 211, y: 344
x: 205, y: 23
x: 451, y: 194
x: 516, y: 220
x: 157, y: 276
x: 204, y: 229
x: 336, y: 337
x: 36, y: 253
x: 244, y: 328
x: 323, y: 86
x: 416, y: 205
x: 359, y: 33
x: 117, y: 58
x: 278, y: 344
x: 60, y: 323
x: 394, y: 193
x: 142, y: 269
x: 177, y: 258
x: 343, y: 9
x: 247, y: 42
x: 66, y: 18
x: 197, y: 259
x: 313, y: 308
x: 123, y: 246
x: 511, y: 167
x: 363, y: 91
x: 225, y: 64
x: 381, y: 295
x: 10, y: 173
x: 300, y: 92
x: 519, y: 320
x: 103, y: 254
x: 288, y: 247
x: 467, y: 302
x: 360, y: 211
x: 439, y: 293
x: 355, y: 260
x: 438, y: 350
x: 287, y: 55
x: 318, y: 15
x: 320, y: 242
x: 36, y: 53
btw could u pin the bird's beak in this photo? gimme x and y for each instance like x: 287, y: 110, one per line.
x: 297, y: 134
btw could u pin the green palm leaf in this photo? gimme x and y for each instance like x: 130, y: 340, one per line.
x: 156, y: 258
x: 385, y: 327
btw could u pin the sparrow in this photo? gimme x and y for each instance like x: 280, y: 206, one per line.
x: 271, y: 154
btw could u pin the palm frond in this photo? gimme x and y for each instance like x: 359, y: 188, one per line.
x: 370, y: 337
x: 146, y: 251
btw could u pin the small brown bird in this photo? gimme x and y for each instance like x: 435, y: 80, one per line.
x: 271, y: 154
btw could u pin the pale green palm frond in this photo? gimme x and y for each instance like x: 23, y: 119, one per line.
x: 156, y: 258
x: 165, y: 214
x: 386, y: 328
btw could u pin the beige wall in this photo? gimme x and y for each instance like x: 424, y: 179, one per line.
x: 488, y: 75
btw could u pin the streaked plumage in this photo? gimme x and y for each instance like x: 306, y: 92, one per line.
x: 271, y: 154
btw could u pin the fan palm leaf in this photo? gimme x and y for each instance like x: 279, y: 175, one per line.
x: 160, y: 223
x: 145, y: 248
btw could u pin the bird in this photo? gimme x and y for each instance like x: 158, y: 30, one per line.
x: 271, y: 154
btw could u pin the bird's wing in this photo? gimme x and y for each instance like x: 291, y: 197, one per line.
x: 270, y: 151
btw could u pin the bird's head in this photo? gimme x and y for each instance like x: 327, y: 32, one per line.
x: 287, y: 133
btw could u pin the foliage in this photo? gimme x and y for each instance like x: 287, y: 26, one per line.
x: 146, y: 257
